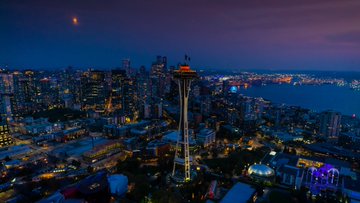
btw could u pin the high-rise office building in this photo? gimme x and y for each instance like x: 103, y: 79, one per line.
x: 233, y: 116
x: 29, y: 85
x: 19, y: 96
x: 142, y: 83
x: 158, y: 112
x: 6, y: 94
x: 130, y: 98
x: 117, y: 89
x: 147, y: 111
x: 93, y: 90
x: 70, y: 87
x: 46, y: 96
x: 205, y: 105
x: 330, y: 124
x: 247, y: 111
x: 158, y: 77
x: 6, y: 82
x: 143, y: 91
x: 6, y: 106
x: 25, y: 92
x: 126, y: 65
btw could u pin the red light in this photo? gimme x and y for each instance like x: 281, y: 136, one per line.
x: 185, y: 68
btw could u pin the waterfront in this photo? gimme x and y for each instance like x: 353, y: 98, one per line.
x: 314, y: 97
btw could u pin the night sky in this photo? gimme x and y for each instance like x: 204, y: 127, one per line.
x: 307, y: 34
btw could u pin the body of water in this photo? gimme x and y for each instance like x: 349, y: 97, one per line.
x: 317, y: 98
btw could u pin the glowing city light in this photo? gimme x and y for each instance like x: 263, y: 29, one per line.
x: 75, y: 21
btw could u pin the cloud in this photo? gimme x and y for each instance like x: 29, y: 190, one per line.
x: 351, y: 37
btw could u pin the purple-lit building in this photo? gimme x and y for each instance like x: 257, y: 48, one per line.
x: 323, y: 178
x: 318, y: 174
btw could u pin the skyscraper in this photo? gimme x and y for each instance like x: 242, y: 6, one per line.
x: 117, y: 89
x: 127, y: 66
x: 70, y: 87
x: 130, y: 98
x: 184, y: 76
x: 24, y: 91
x: 142, y: 84
x: 6, y: 94
x: 93, y: 90
x: 158, y: 77
x: 330, y: 124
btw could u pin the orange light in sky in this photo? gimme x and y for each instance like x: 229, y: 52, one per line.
x: 75, y: 21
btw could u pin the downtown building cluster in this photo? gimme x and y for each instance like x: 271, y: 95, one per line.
x: 66, y: 124
x: 119, y: 91
x: 75, y: 123
x: 124, y: 93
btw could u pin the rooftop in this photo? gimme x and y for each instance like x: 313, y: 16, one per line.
x: 239, y: 193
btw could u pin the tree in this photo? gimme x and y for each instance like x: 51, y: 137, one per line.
x: 90, y: 169
x: 7, y: 158
x: 130, y: 164
x: 142, y: 187
x: 75, y: 163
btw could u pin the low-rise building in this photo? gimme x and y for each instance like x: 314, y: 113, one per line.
x: 173, y: 136
x: 206, y: 137
x: 349, y: 140
x: 315, y: 173
x: 286, y: 137
x: 15, y: 151
x: 157, y: 148
x: 71, y: 134
x: 240, y: 193
x: 102, y: 151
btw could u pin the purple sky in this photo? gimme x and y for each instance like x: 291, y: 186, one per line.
x: 307, y: 34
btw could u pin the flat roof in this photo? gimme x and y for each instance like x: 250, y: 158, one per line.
x: 14, y: 151
x: 239, y: 193
x: 78, y: 147
x: 173, y: 137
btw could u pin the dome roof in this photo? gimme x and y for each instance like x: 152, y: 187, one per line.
x: 261, y: 170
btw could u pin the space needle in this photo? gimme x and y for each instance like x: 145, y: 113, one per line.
x: 182, y: 161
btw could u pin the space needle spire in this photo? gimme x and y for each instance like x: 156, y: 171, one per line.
x: 184, y: 75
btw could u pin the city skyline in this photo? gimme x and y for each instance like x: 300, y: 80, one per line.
x: 100, y: 102
x: 235, y: 35
x: 169, y: 135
